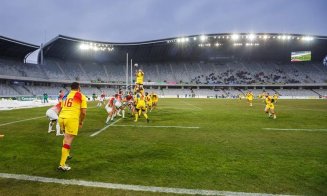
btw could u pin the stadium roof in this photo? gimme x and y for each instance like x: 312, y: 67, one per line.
x: 10, y: 48
x: 263, y: 46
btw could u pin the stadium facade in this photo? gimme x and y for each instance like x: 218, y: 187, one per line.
x: 223, y: 65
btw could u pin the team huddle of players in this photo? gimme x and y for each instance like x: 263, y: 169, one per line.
x: 269, y: 101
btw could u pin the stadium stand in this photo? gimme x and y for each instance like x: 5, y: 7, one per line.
x: 169, y: 71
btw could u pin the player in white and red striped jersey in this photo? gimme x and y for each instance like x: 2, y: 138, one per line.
x: 52, y: 113
x: 110, y: 109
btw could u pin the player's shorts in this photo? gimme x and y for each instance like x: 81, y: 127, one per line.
x: 108, y: 109
x: 269, y: 106
x: 101, y: 99
x: 141, y: 107
x: 69, y: 125
x: 118, y: 104
x: 52, y: 115
x: 149, y: 104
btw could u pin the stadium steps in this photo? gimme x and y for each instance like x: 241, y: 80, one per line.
x: 42, y: 71
x: 83, y: 71
x: 28, y: 90
x: 62, y: 71
x: 315, y: 92
x: 20, y: 90
x: 172, y: 71
x: 106, y: 71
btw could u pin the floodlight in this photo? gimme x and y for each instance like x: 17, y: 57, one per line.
x: 203, y: 38
x: 307, y: 38
x: 235, y: 37
x: 251, y: 37
x: 84, y: 47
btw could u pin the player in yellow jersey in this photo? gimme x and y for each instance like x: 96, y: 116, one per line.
x: 140, y: 106
x: 72, y: 115
x: 249, y: 97
x: 139, y: 78
x: 148, y: 100
x: 155, y: 100
x: 270, y: 108
x: 275, y: 97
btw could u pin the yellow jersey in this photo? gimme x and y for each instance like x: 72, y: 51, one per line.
x: 71, y: 105
x: 154, y: 98
x: 269, y: 100
x: 148, y: 99
x: 140, y: 99
x: 139, y: 77
x: 275, y: 97
x: 249, y: 96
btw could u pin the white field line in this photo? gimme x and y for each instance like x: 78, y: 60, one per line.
x: 191, y: 105
x: 280, y: 129
x: 13, y: 122
x: 104, y: 128
x: 158, y: 126
x: 126, y: 186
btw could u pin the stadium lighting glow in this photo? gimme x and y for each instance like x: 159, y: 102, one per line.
x: 238, y: 44
x: 217, y: 44
x: 235, y: 37
x: 203, y: 38
x: 95, y: 47
x: 265, y: 37
x: 182, y: 40
x: 84, y: 47
x: 284, y: 37
x: 194, y: 38
x: 279, y: 37
x: 251, y: 37
x: 307, y: 38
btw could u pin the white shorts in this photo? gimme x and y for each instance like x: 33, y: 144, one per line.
x: 118, y: 104
x: 109, y: 109
x: 101, y: 99
x: 52, y: 115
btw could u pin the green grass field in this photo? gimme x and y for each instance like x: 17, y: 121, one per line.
x: 230, y: 151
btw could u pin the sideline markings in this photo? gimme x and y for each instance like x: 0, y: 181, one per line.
x: 279, y: 129
x: 157, y: 126
x: 125, y: 186
x: 13, y: 122
x: 104, y: 128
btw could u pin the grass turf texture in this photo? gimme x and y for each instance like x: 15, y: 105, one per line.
x: 230, y: 151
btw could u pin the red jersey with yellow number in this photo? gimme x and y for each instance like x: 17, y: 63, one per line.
x: 71, y: 105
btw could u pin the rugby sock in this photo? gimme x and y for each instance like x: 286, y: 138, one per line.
x: 145, y: 115
x: 50, y: 127
x: 58, y: 128
x: 108, y: 118
x: 64, y: 154
x: 123, y: 112
x: 136, y: 116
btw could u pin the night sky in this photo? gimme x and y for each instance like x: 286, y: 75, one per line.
x: 37, y: 21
